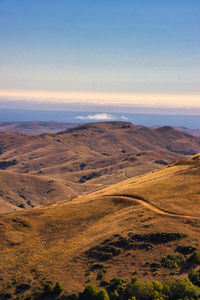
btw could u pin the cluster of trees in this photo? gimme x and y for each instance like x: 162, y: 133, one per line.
x: 118, y: 289
x: 172, y: 289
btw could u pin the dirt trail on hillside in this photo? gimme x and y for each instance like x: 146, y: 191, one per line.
x: 125, y: 176
x: 152, y: 207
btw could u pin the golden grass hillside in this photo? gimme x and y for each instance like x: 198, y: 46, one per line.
x: 90, y: 157
x: 128, y: 227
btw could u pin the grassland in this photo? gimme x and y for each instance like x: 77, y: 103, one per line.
x: 131, y: 228
x: 54, y: 167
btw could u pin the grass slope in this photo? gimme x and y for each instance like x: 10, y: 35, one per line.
x: 91, y: 156
x: 62, y: 241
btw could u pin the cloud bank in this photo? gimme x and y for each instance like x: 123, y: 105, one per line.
x: 103, y: 116
x: 124, y: 118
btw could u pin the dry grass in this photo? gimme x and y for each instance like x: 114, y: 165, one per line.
x: 115, y: 151
x: 50, y: 242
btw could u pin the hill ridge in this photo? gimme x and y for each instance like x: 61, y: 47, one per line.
x: 92, y: 156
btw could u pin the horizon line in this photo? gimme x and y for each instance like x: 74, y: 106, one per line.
x: 162, y: 100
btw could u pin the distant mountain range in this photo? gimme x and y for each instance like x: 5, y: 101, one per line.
x: 35, y: 127
x: 39, y: 127
x: 85, y: 116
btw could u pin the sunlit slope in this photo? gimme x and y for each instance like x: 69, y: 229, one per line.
x: 174, y: 188
x: 52, y: 241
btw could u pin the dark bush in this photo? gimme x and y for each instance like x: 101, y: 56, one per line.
x: 185, y: 249
x: 89, y: 177
x: 57, y: 290
x: 22, y: 288
x: 48, y: 287
x: 82, y: 166
x: 194, y: 277
x: 157, y: 238
x: 5, y: 164
x: 194, y: 259
x: 161, y: 162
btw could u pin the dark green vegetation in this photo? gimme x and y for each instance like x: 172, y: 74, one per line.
x: 5, y: 164
x: 118, y: 289
x: 117, y: 243
x: 173, y: 261
x: 89, y: 176
x: 185, y: 249
x: 161, y: 162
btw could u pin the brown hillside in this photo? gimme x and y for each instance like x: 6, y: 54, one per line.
x: 93, y: 156
x: 36, y: 127
x: 62, y: 241
x: 195, y: 132
x: 20, y: 191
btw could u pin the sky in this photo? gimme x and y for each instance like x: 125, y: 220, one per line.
x: 127, y: 53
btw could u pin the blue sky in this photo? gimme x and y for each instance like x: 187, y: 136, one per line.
x: 101, y: 47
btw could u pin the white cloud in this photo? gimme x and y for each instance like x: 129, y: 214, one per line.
x: 103, y: 116
x: 124, y: 118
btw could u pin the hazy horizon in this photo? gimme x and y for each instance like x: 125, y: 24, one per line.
x: 87, y: 116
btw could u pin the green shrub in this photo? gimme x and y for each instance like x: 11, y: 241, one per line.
x: 173, y: 261
x: 48, y: 287
x: 143, y: 290
x: 99, y: 266
x: 194, y: 277
x: 180, y: 288
x: 91, y: 292
x: 116, y: 284
x: 102, y: 295
x: 172, y: 289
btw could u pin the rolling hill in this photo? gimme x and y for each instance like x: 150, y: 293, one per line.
x: 23, y: 191
x: 129, y: 228
x: 36, y: 127
x: 86, y: 158
x: 195, y: 132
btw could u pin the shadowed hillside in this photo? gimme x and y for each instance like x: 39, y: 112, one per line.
x: 129, y: 228
x: 195, y: 132
x: 90, y: 157
x: 23, y: 191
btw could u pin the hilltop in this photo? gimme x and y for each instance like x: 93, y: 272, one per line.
x: 86, y: 158
x: 195, y: 132
x: 128, y: 227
